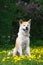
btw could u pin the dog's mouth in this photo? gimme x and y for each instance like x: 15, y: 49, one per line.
x: 25, y: 30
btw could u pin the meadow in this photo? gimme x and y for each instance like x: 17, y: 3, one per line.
x: 11, y: 11
x: 36, y: 57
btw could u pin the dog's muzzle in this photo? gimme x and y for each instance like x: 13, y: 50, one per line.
x: 26, y: 29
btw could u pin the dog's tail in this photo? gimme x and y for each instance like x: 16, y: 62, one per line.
x: 10, y: 53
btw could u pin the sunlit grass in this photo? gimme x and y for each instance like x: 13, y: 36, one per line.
x: 35, y: 58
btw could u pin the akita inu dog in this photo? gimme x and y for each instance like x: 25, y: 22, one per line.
x: 22, y: 45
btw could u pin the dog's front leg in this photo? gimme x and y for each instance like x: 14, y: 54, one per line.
x: 28, y: 51
x: 28, y: 47
x: 20, y: 50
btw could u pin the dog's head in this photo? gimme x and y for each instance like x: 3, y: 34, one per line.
x: 25, y: 25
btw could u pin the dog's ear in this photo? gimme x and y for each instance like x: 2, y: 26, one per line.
x: 21, y: 21
x: 29, y: 21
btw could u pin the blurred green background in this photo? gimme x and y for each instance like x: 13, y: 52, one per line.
x: 11, y: 11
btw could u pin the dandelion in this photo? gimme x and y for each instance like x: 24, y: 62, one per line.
x: 36, y: 54
x: 36, y: 51
x: 42, y: 51
x: 23, y: 57
x: 16, y: 58
x: 33, y: 57
x: 7, y: 57
x: 15, y: 61
x: 40, y: 60
x: 19, y: 58
x: 4, y: 51
x: 29, y: 58
x: 4, y: 59
x: 39, y: 57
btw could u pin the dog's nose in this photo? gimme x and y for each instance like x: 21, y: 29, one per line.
x: 26, y: 28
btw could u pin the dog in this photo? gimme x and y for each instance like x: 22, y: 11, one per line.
x: 22, y: 45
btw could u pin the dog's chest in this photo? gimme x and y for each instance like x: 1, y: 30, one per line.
x: 24, y: 42
x: 23, y: 45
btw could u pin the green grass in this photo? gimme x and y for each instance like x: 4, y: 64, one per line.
x: 35, y: 59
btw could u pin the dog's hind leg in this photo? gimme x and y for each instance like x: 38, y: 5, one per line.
x: 14, y: 51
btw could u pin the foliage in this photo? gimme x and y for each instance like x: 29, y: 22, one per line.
x: 36, y: 57
x: 33, y: 11
x: 10, y: 14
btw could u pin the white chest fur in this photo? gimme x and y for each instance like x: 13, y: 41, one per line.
x: 23, y: 41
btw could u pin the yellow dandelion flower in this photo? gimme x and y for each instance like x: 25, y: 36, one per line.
x: 7, y: 57
x: 29, y: 58
x: 23, y: 57
x: 36, y: 51
x: 19, y: 58
x: 39, y: 57
x: 4, y: 59
x: 15, y: 61
x: 33, y: 57
x: 41, y: 51
x: 32, y: 51
x: 40, y: 60
x: 4, y: 51
x: 16, y: 58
